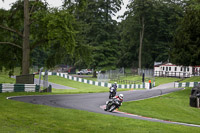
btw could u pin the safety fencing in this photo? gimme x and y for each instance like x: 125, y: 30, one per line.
x: 51, y: 73
x: 123, y: 86
x: 19, y: 88
x: 186, y: 84
x: 103, y: 84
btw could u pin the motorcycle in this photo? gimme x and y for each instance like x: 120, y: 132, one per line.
x: 112, y: 92
x: 112, y: 105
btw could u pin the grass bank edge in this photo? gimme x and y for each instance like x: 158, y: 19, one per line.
x: 172, y: 107
x: 25, y: 117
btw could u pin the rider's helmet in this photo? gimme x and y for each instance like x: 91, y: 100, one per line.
x: 115, y: 83
x: 121, y: 96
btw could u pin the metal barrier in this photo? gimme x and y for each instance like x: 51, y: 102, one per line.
x: 19, y: 88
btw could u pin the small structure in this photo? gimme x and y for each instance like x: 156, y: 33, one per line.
x: 25, y: 79
x: 172, y: 70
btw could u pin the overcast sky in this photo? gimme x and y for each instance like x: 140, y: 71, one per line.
x: 58, y: 3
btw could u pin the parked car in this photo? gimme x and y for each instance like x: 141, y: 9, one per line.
x: 84, y: 71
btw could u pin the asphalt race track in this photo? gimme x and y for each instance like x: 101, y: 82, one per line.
x: 94, y: 102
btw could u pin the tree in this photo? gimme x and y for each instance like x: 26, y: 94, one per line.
x: 101, y: 32
x: 25, y: 36
x: 185, y: 49
x: 82, y: 57
x: 148, y: 30
x: 141, y: 10
x: 26, y: 45
x: 50, y: 28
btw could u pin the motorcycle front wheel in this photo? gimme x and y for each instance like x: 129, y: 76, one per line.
x: 112, y: 108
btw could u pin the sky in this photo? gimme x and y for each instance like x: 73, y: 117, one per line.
x: 57, y: 3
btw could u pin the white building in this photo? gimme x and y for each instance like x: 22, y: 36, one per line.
x: 171, y: 70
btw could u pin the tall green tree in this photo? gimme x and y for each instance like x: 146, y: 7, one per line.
x: 25, y: 37
x: 82, y: 57
x: 186, y: 46
x: 41, y: 27
x: 101, y: 32
x: 137, y: 20
x: 148, y: 31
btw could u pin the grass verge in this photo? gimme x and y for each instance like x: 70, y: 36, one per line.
x: 192, y: 79
x: 22, y: 117
x: 164, y: 80
x: 6, y: 79
x: 173, y: 107
x: 80, y: 87
x: 138, y: 79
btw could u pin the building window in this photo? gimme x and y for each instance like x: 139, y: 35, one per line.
x: 188, y: 69
x: 163, y: 68
x: 169, y: 68
x: 181, y: 68
x: 175, y: 69
x: 166, y: 68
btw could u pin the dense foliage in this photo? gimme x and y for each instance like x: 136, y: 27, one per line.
x: 52, y: 34
x: 83, y: 34
x: 101, y: 32
x: 160, y: 21
x: 186, y: 46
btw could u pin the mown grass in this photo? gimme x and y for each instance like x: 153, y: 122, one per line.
x: 130, y: 78
x: 134, y: 78
x: 173, y: 107
x: 16, y: 71
x: 6, y: 79
x: 20, y: 117
x: 4, y: 76
x: 192, y: 79
x: 164, y: 80
x: 80, y: 87
x: 138, y: 79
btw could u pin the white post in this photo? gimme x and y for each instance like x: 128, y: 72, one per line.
x: 40, y: 77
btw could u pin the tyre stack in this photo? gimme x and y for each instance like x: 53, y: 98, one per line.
x: 195, y: 96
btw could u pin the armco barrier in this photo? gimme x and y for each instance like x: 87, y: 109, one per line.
x: 50, y: 73
x: 103, y: 84
x: 186, y: 84
x: 19, y: 88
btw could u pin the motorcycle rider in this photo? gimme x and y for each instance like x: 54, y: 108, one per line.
x: 114, y: 89
x: 120, y: 100
x: 114, y: 85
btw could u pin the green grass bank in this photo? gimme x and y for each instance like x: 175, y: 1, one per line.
x: 19, y: 117
x: 174, y: 107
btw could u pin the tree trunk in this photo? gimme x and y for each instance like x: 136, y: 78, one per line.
x: 94, y: 75
x: 26, y: 45
x: 141, y: 42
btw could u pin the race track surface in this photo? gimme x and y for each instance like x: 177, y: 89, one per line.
x: 94, y: 102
